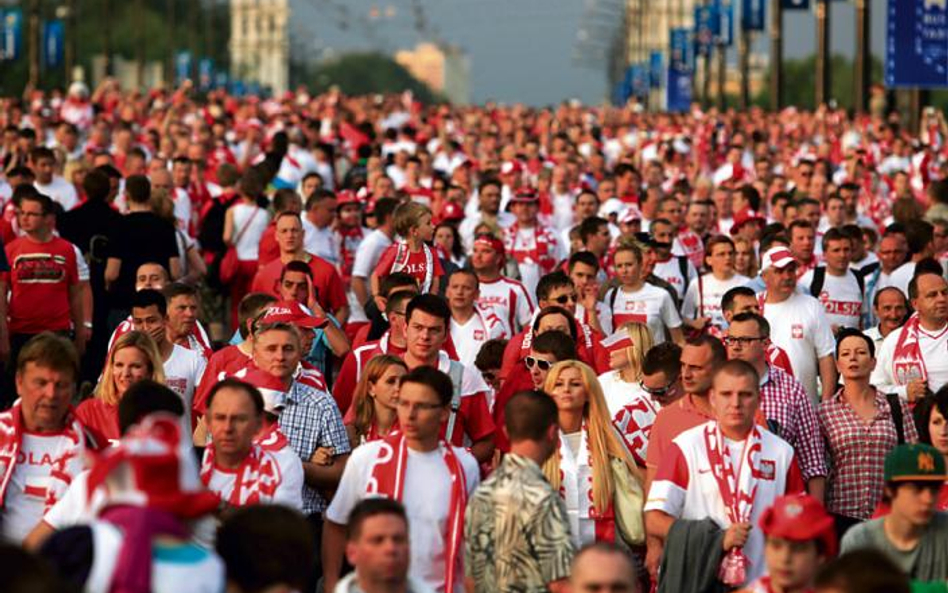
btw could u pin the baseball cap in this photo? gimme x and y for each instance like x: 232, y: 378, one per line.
x: 632, y: 214
x: 292, y: 312
x: 914, y: 462
x: 776, y: 257
x: 525, y: 195
x: 799, y: 518
x: 490, y: 241
x: 452, y: 211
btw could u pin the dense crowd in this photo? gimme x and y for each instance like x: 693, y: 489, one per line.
x: 361, y: 344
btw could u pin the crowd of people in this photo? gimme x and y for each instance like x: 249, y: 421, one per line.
x: 361, y: 344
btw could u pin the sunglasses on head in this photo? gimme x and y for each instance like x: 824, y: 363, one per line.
x: 658, y: 392
x: 543, y: 365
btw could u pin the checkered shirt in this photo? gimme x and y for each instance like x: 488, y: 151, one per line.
x: 312, y: 420
x: 856, y: 451
x: 785, y: 403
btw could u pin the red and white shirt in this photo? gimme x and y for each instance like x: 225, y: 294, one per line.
x: 416, y: 265
x: 468, y: 337
x: 509, y: 300
x: 841, y: 298
x: 650, y: 305
x: 40, y: 277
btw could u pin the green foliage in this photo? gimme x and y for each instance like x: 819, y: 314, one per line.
x: 799, y: 82
x: 363, y: 73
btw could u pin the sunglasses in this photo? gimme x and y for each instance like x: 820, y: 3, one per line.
x: 565, y: 298
x: 489, y: 376
x: 543, y: 365
x: 741, y: 341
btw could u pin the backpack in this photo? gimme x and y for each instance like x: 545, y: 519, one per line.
x: 819, y: 278
x: 456, y: 372
x: 211, y: 234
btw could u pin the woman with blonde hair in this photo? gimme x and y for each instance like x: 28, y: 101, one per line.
x: 372, y: 413
x: 134, y: 357
x: 592, y: 469
x: 626, y: 353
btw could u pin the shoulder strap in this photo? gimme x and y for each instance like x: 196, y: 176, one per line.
x: 700, y: 310
x: 895, y: 407
x: 819, y: 278
x: 244, y: 228
x: 456, y: 372
x: 860, y: 281
x: 612, y: 299
x: 683, y: 268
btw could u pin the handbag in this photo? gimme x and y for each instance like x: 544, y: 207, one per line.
x: 629, y: 504
x: 229, y: 263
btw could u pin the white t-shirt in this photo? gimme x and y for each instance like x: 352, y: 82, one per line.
x: 289, y: 491
x: 250, y: 222
x: 901, y: 277
x: 73, y: 508
x: 25, y: 500
x: 650, y: 305
x: 617, y: 392
x: 60, y: 191
x: 426, y: 496
x: 366, y: 258
x: 799, y: 326
x: 509, y: 300
x: 841, y: 298
x: 670, y: 271
x: 934, y: 349
x: 470, y: 336
x: 703, y: 297
x: 183, y: 372
x: 321, y: 242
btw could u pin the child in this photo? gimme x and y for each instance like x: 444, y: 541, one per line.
x: 635, y: 300
x: 799, y: 538
x: 411, y: 254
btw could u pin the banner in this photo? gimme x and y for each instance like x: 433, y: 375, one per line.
x: 752, y: 15
x: 725, y: 12
x: 678, y: 90
x: 655, y: 70
x: 54, y: 38
x: 182, y: 66
x: 795, y: 4
x: 205, y: 73
x: 220, y: 79
x: 704, y: 32
x: 680, y: 51
x: 916, y: 45
x: 639, y: 80
x: 11, y: 33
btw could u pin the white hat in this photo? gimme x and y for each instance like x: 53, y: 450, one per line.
x: 777, y: 257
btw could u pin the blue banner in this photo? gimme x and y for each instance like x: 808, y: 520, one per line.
x: 678, y: 90
x: 205, y: 73
x: 220, y: 79
x: 54, y: 38
x: 182, y: 66
x: 795, y: 4
x: 916, y: 45
x: 656, y: 69
x: 752, y: 15
x: 11, y: 33
x: 639, y: 80
x: 725, y: 14
x: 681, y: 54
x: 704, y: 34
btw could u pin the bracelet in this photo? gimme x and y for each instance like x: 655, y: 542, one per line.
x: 87, y: 324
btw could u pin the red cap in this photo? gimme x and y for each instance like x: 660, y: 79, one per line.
x: 492, y: 242
x: 799, y: 518
x: 745, y: 216
x: 525, y: 195
x: 452, y: 211
x: 292, y: 312
x: 346, y: 197
x: 510, y: 167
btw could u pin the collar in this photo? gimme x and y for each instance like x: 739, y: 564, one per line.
x: 765, y: 376
x: 514, y: 461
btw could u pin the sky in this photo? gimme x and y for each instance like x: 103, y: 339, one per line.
x: 523, y: 50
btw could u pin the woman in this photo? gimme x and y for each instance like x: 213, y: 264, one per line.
x: 702, y: 304
x: 448, y: 241
x: 745, y: 258
x: 372, y: 414
x: 244, y: 224
x: 859, y: 429
x: 133, y: 358
x: 592, y: 469
x: 620, y: 383
x: 193, y: 268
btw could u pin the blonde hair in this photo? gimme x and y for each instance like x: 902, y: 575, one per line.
x: 362, y: 404
x: 642, y: 342
x: 406, y: 217
x: 604, y: 441
x: 106, y: 391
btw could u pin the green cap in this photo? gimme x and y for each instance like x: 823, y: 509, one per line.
x: 915, y: 463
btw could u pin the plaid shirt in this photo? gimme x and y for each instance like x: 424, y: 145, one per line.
x: 312, y: 420
x: 857, y: 451
x: 791, y: 416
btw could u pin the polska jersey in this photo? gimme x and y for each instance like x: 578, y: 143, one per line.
x: 509, y: 300
x: 650, y: 305
x: 841, y: 296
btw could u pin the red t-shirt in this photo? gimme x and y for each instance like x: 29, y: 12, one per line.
x: 330, y: 293
x: 352, y: 366
x: 269, y: 249
x: 416, y: 266
x: 227, y: 360
x: 40, y: 277
x: 100, y: 417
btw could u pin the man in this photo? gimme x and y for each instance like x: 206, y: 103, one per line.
x: 892, y: 251
x: 428, y: 318
x: 535, y: 248
x: 43, y: 163
x: 600, y: 567
x: 507, y: 298
x: 700, y: 472
x: 890, y: 307
x: 687, y: 242
x: 914, y: 534
x: 798, y: 538
x: 799, y: 324
x: 471, y: 326
x: 163, y: 182
x: 533, y: 550
x: 183, y: 368
x: 488, y: 210
x: 45, y: 290
x: 676, y: 270
x: 318, y: 226
x: 142, y: 237
x: 42, y: 445
x: 416, y: 467
x: 698, y: 217
x: 912, y: 361
x: 789, y: 412
x: 596, y: 238
x: 284, y: 200
x: 184, y: 329
x: 326, y: 281
x: 803, y: 245
x: 920, y: 238
x: 583, y: 269
x: 296, y: 285
x: 833, y: 282
x: 242, y: 470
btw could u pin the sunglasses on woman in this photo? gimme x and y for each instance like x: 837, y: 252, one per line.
x: 544, y: 365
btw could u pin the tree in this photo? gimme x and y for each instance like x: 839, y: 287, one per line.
x: 363, y: 73
x: 800, y: 82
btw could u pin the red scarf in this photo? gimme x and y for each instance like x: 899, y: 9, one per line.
x: 738, y: 489
x: 70, y: 463
x: 542, y: 252
x: 258, y: 476
x: 388, y: 479
x: 907, y: 361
